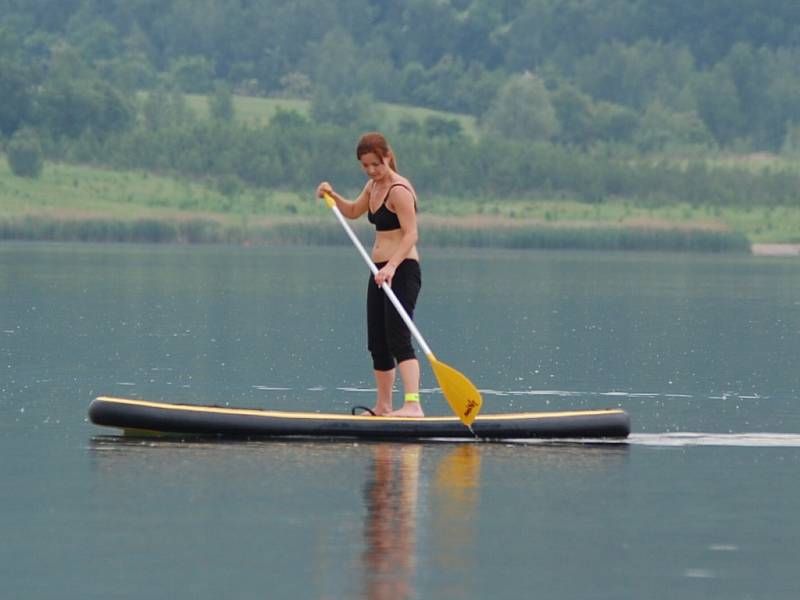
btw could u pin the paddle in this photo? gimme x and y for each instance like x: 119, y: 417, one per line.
x: 461, y: 394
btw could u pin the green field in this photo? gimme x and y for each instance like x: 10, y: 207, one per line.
x: 252, y: 110
x: 80, y: 191
x: 259, y: 111
x: 91, y: 199
x: 70, y: 193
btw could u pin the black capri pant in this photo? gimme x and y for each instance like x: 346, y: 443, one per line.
x: 388, y: 338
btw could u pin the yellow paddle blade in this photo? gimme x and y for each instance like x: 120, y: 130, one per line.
x: 463, y: 397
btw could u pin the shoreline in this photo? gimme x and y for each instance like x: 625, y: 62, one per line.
x: 451, y: 232
x: 781, y: 250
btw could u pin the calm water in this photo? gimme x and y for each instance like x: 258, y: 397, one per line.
x: 701, y: 503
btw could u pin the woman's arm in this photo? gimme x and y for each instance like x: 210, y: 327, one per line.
x: 350, y: 209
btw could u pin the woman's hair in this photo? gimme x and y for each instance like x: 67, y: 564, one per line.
x: 374, y: 142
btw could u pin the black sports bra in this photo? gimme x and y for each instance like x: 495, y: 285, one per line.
x: 383, y: 218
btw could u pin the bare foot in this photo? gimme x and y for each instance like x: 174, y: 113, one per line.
x: 409, y: 409
x: 382, y: 411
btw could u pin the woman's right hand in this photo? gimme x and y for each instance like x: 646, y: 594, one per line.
x: 324, y: 188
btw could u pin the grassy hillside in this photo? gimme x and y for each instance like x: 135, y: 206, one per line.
x: 98, y: 203
x: 81, y: 191
x: 69, y: 193
x: 260, y: 110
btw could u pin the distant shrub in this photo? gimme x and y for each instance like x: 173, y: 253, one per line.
x: 220, y: 103
x: 25, y: 156
x: 229, y: 185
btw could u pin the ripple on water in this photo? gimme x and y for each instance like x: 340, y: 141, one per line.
x: 745, y: 439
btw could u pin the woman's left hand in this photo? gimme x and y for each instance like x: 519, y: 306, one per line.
x: 385, y: 274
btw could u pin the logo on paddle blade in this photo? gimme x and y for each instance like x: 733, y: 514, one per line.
x: 470, y: 405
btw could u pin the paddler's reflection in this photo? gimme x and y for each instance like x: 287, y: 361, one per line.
x: 394, y: 515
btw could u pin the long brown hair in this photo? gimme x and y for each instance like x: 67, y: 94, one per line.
x: 375, y: 142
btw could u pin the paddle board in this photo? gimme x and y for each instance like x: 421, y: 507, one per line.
x: 142, y: 416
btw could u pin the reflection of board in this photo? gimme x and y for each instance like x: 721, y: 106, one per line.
x: 139, y: 417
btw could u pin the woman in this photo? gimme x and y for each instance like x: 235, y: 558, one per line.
x: 391, y: 205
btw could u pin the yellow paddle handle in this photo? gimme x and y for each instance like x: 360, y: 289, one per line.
x: 329, y: 199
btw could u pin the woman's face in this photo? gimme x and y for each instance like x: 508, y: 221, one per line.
x: 375, y: 168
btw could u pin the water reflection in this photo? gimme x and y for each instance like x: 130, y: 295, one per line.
x: 365, y: 520
x: 394, y: 515
x: 390, y: 530
x: 455, y: 504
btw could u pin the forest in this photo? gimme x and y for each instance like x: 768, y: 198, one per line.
x: 590, y: 100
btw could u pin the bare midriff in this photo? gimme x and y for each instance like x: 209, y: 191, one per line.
x: 386, y: 244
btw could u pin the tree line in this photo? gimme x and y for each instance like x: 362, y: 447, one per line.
x: 569, y: 108
x: 677, y: 73
x: 160, y: 132
x: 295, y: 152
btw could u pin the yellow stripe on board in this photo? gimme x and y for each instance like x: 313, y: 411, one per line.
x: 316, y: 416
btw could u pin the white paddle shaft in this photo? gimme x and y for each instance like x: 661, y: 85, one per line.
x: 385, y: 286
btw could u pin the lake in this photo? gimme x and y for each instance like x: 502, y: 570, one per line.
x: 701, y: 502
